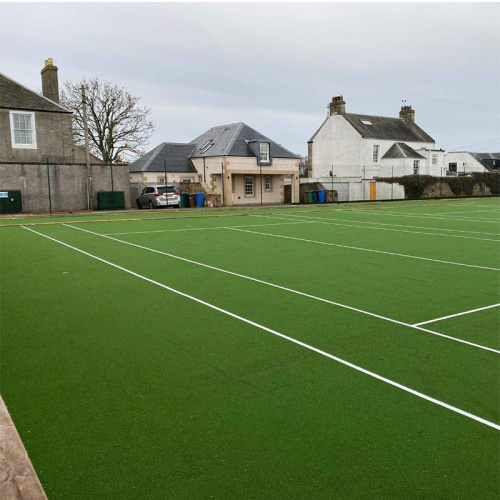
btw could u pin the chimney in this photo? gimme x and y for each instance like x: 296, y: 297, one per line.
x: 337, y: 106
x: 50, y: 84
x: 407, y: 114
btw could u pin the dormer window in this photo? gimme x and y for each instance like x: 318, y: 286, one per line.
x: 22, y: 129
x: 264, y: 152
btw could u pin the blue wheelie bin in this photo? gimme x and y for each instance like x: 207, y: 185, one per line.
x: 321, y: 195
x: 199, y: 199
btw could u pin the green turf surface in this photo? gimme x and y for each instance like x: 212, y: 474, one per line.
x: 122, y: 389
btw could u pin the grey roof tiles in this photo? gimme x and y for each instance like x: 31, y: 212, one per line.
x: 13, y: 95
x: 232, y: 140
x: 394, y: 129
x: 402, y: 150
x: 175, y: 155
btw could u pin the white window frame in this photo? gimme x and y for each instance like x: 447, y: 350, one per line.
x: 434, y: 159
x: 186, y: 180
x: 416, y: 167
x: 376, y: 153
x: 33, y: 130
x: 268, y: 153
x: 253, y: 186
x: 270, y: 179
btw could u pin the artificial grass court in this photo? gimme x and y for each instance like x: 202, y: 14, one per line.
x: 340, y: 351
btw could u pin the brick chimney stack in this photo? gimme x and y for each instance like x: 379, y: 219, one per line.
x: 337, y: 106
x: 407, y: 114
x: 50, y: 83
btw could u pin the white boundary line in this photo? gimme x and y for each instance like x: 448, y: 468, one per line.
x: 423, y: 216
x: 455, y: 315
x: 274, y: 332
x: 195, y: 228
x: 366, y: 249
x: 325, y: 219
x: 338, y: 304
x: 320, y: 220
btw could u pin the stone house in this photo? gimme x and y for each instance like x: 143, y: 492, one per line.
x: 235, y: 161
x: 354, y: 149
x: 34, y: 129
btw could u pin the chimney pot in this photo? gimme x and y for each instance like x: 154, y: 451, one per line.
x: 337, y: 106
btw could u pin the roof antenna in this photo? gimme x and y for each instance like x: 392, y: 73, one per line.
x: 404, y: 102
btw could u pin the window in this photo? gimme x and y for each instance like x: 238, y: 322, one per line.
x: 434, y: 159
x: 248, y: 186
x: 206, y: 146
x: 452, y: 167
x: 187, y: 180
x: 269, y: 184
x: 22, y: 129
x: 264, y: 152
x: 161, y: 180
x: 416, y: 164
x: 376, y: 150
x: 366, y: 122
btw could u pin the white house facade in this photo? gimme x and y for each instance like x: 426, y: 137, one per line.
x: 465, y: 162
x: 355, y: 149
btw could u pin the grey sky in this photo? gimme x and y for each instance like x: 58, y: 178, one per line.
x: 274, y: 66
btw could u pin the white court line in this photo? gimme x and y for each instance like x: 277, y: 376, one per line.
x: 197, y: 228
x: 278, y: 334
x: 366, y: 249
x: 468, y: 212
x: 455, y: 315
x: 424, y: 216
x: 320, y: 220
x: 287, y: 289
x: 384, y: 224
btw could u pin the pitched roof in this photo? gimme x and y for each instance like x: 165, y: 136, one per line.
x: 13, y: 95
x: 401, y: 150
x: 232, y: 140
x: 176, y: 156
x: 395, y: 129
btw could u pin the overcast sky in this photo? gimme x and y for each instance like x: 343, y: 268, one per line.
x: 274, y: 66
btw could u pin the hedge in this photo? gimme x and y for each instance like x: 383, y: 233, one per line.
x: 460, y: 186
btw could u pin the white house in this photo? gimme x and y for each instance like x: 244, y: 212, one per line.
x: 465, y: 162
x: 349, y: 150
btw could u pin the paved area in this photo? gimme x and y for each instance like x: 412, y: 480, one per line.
x: 18, y: 479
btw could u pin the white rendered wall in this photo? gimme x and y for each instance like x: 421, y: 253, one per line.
x: 465, y: 162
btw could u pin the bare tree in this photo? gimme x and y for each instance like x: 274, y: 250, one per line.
x: 117, y: 124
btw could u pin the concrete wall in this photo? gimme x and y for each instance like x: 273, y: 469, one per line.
x: 68, y: 187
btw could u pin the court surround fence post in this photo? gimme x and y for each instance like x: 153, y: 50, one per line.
x: 392, y: 182
x: 222, y: 180
x: 333, y: 197
x: 48, y: 183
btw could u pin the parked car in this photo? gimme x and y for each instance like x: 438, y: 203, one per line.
x: 159, y: 196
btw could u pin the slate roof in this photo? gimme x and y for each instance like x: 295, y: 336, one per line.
x: 231, y: 140
x: 13, y: 95
x: 394, y: 129
x: 486, y: 159
x: 176, y: 155
x: 402, y: 150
